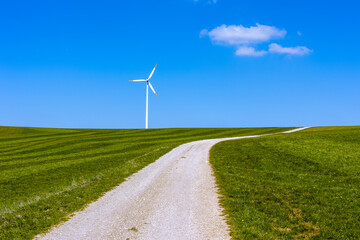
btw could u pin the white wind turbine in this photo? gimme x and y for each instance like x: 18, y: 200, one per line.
x: 147, y: 93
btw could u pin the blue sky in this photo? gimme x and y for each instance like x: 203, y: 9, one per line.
x: 220, y: 63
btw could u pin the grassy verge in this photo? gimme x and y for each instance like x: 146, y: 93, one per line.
x: 303, y: 185
x: 46, y: 174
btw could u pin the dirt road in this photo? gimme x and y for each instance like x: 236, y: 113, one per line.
x: 172, y: 198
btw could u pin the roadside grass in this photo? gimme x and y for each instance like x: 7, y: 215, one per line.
x: 303, y: 185
x: 47, y: 174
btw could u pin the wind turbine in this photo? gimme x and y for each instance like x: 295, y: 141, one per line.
x: 147, y: 93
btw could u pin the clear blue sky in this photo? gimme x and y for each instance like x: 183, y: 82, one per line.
x: 220, y: 64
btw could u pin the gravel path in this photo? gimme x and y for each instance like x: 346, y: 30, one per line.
x: 173, y: 198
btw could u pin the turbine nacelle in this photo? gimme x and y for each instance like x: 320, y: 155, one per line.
x: 147, y: 80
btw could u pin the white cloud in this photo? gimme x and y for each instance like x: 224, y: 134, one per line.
x: 249, y: 51
x: 299, y: 50
x: 245, y: 39
x: 203, y: 33
x: 238, y: 34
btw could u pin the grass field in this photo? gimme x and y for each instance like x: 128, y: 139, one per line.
x: 303, y: 185
x: 46, y: 174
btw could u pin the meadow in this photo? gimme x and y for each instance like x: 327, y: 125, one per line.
x: 47, y: 174
x: 303, y: 185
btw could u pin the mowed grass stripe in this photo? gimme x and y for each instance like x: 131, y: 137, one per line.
x: 68, y: 161
x: 62, y: 147
x: 65, y: 154
x: 58, y: 143
x: 22, y: 148
x: 30, y: 161
x: 46, y: 174
x: 304, y: 185
x: 52, y: 147
x: 21, y: 138
x: 35, y: 152
x: 175, y: 133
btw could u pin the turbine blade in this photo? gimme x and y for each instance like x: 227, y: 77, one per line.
x: 152, y: 89
x: 152, y: 72
x: 139, y: 80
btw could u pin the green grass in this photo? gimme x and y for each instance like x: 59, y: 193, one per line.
x: 303, y: 185
x: 46, y: 174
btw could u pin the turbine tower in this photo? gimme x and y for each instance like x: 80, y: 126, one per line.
x: 148, y: 84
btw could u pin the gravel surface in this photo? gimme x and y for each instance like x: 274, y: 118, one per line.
x: 173, y: 198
